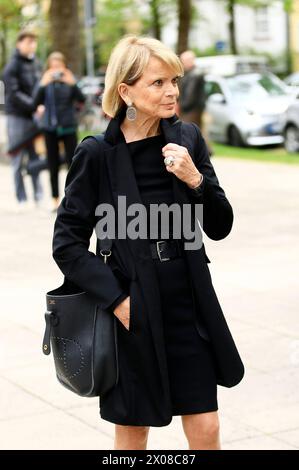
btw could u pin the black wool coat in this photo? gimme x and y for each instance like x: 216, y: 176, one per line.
x: 20, y: 76
x: 65, y: 97
x: 141, y: 395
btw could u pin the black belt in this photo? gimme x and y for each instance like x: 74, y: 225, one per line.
x: 165, y: 250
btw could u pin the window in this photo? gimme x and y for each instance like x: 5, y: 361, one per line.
x: 262, y: 21
x: 211, y: 88
x: 255, y: 87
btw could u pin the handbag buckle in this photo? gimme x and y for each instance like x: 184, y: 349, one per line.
x: 108, y: 253
x: 51, y: 320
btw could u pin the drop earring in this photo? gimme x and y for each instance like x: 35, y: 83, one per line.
x: 131, y: 112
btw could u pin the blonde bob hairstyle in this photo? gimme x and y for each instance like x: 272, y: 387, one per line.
x: 127, y: 62
x: 55, y: 56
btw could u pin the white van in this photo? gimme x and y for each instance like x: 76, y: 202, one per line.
x: 226, y: 65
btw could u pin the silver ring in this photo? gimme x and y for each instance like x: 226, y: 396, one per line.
x: 169, y: 160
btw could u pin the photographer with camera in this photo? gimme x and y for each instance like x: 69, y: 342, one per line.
x: 58, y: 92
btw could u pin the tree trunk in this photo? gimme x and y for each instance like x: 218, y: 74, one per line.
x: 184, y: 15
x: 3, y: 44
x: 65, y: 32
x: 232, y: 26
x: 154, y: 6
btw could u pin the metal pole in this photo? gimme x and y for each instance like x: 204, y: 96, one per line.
x: 289, y: 58
x: 89, y: 22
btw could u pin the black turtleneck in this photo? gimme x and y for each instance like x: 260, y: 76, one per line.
x: 153, y: 180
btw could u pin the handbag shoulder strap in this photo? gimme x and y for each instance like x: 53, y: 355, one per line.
x: 106, y: 243
x: 100, y: 139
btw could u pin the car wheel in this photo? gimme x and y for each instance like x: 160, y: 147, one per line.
x: 291, y: 139
x: 234, y: 137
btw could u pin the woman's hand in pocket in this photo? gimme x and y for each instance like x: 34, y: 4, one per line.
x: 122, y: 312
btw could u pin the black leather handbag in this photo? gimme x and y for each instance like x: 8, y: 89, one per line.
x: 83, y: 338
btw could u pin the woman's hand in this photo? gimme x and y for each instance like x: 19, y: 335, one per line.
x: 68, y: 77
x: 40, y: 111
x: 122, y: 312
x: 47, y: 78
x: 183, y: 166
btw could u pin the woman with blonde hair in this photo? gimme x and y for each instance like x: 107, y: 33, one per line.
x: 174, y: 345
x: 58, y: 92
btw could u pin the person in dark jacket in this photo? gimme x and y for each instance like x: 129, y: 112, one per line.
x: 58, y: 92
x: 174, y: 345
x: 20, y: 76
x: 192, y: 101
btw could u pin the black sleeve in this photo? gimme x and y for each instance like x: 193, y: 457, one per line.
x: 74, y: 226
x: 217, y: 212
x: 200, y: 96
x: 38, y: 95
x: 118, y: 301
x: 78, y: 95
x: 19, y: 98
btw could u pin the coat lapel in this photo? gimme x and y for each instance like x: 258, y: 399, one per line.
x: 123, y: 183
x: 121, y: 171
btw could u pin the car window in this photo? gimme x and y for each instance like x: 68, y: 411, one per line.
x: 293, y: 81
x: 212, y: 87
x: 255, y: 86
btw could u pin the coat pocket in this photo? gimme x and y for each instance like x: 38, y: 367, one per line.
x: 201, y: 329
x: 132, y: 302
x: 131, y: 311
x: 132, y: 294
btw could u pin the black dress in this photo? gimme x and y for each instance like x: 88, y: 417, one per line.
x: 191, y: 369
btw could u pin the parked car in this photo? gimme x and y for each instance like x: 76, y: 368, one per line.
x: 292, y: 81
x: 290, y: 126
x: 91, y: 116
x: 92, y: 88
x: 246, y: 109
x: 226, y: 65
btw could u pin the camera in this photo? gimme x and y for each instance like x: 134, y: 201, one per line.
x: 57, y: 76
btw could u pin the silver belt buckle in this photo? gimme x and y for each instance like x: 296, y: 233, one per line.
x: 158, y: 251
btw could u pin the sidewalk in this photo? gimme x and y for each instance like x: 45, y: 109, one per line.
x: 255, y: 275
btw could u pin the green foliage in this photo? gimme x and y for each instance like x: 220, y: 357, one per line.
x: 288, y: 4
x: 265, y: 154
x: 118, y: 17
x: 10, y: 19
x: 167, y: 12
x: 209, y: 51
x: 258, y: 3
x: 9, y: 11
x: 113, y: 17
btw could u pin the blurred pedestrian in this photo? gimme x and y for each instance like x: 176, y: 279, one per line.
x: 20, y: 76
x: 192, y: 100
x: 58, y: 92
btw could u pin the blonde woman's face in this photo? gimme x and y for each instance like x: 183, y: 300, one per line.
x: 155, y: 93
x: 56, y: 64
